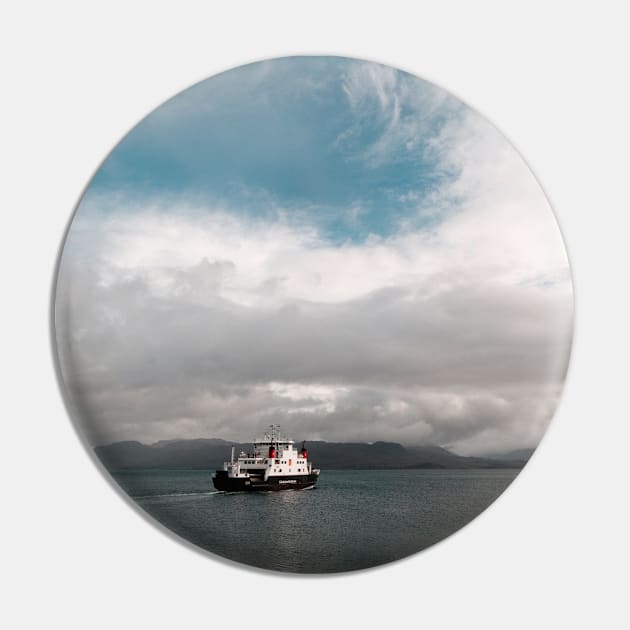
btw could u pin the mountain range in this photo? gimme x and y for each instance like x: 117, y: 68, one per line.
x: 211, y: 453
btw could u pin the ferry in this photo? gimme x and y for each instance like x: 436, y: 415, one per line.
x: 274, y: 464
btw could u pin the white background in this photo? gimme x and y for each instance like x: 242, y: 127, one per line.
x: 553, y: 551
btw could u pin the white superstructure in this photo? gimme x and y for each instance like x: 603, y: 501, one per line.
x: 274, y: 459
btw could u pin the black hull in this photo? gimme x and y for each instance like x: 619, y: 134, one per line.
x: 224, y: 483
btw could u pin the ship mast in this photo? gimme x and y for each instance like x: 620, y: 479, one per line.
x: 275, y: 433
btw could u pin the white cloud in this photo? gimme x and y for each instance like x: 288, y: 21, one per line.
x: 176, y: 319
x: 405, y: 112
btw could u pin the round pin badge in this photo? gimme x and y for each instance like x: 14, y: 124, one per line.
x: 313, y: 314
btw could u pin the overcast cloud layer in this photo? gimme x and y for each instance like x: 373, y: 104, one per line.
x: 330, y: 245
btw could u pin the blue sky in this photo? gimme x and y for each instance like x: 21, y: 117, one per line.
x: 299, y: 134
x: 324, y: 243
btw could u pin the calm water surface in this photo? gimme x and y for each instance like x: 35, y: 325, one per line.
x: 353, y: 519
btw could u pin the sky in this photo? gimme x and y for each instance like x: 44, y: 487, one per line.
x: 327, y: 244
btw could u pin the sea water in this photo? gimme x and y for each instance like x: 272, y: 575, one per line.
x: 353, y: 519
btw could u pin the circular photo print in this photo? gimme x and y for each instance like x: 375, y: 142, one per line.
x: 313, y: 314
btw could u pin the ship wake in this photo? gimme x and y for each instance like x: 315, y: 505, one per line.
x: 175, y: 494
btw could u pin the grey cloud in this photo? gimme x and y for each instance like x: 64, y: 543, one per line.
x: 441, y: 368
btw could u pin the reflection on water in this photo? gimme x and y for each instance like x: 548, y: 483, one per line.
x: 351, y: 520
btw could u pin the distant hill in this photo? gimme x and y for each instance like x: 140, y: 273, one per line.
x: 522, y: 454
x: 211, y: 453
